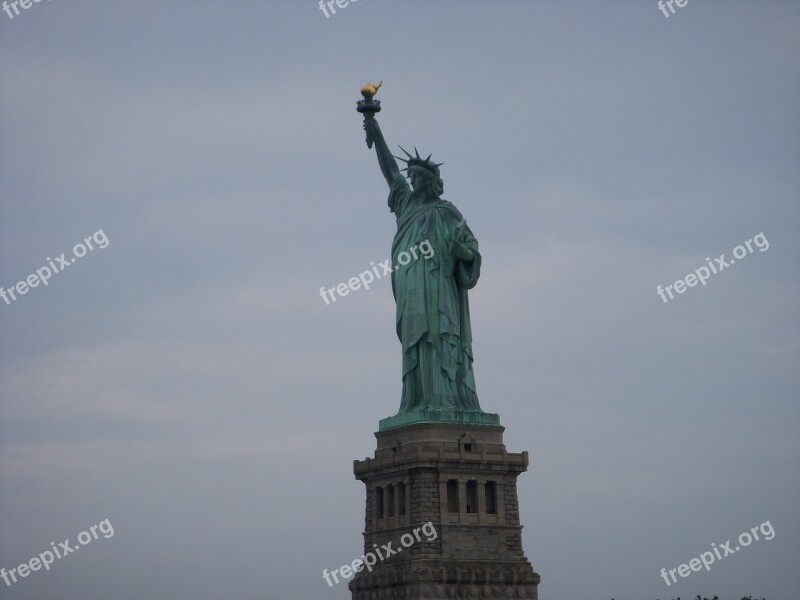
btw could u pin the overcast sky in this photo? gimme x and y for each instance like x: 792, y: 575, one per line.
x: 188, y: 383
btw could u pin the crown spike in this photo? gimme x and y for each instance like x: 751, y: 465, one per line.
x: 439, y: 164
x: 417, y: 152
x: 408, y: 154
x: 429, y: 157
x: 401, y: 158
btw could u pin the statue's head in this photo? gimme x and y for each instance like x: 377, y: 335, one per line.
x: 423, y: 173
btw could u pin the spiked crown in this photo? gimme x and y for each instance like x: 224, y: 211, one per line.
x: 418, y: 161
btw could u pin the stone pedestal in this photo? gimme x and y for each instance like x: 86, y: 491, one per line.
x: 460, y: 481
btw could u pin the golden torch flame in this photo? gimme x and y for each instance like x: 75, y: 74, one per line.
x: 369, y: 90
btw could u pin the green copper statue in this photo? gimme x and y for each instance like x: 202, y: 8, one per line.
x: 432, y: 321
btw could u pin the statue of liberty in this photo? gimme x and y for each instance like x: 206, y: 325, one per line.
x: 432, y: 318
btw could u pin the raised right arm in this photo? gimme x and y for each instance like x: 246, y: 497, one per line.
x: 386, y: 161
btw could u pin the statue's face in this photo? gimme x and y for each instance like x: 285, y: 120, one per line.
x: 416, y: 179
x: 421, y: 181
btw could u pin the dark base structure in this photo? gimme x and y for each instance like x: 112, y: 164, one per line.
x: 443, y: 516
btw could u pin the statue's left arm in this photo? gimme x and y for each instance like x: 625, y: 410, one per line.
x: 465, y: 256
x: 462, y: 240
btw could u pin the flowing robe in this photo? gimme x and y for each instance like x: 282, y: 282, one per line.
x: 432, y: 320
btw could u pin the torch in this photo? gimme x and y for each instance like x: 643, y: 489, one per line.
x: 369, y: 106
